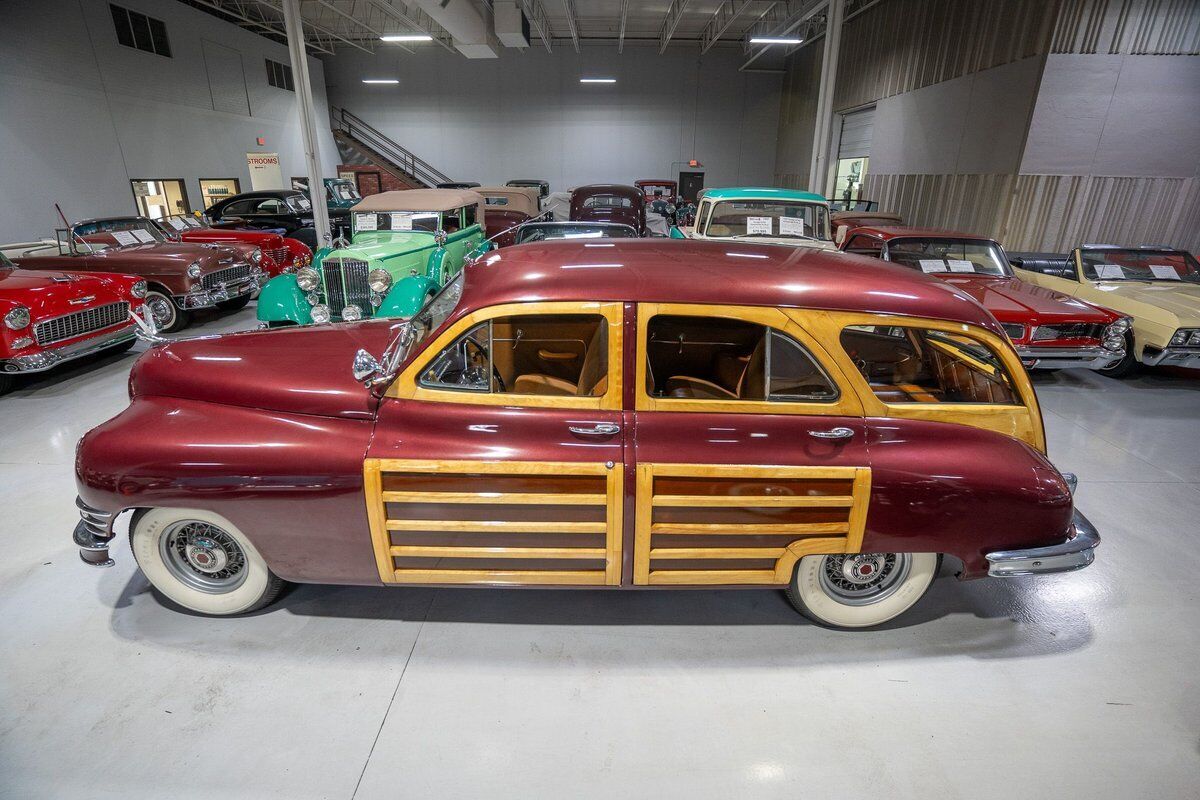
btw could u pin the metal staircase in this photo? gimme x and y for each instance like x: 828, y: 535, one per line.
x: 351, y: 131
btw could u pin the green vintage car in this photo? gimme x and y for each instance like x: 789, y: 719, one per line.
x: 404, y: 246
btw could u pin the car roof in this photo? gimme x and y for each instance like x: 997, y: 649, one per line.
x: 114, y: 218
x: 607, y: 188
x: 906, y: 232
x: 262, y: 193
x: 758, y: 193
x: 419, y: 200
x: 716, y: 273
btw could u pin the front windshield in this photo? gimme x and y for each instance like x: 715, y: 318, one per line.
x: 950, y: 255
x: 181, y: 222
x: 5, y: 263
x: 658, y: 190
x: 777, y: 219
x: 1140, y: 265
x: 540, y: 233
x: 396, y: 221
x: 345, y: 190
x: 119, y: 232
x: 299, y: 204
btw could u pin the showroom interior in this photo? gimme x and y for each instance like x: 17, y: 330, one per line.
x: 562, y: 398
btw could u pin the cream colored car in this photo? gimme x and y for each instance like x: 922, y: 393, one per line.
x: 1157, y: 287
x: 764, y: 215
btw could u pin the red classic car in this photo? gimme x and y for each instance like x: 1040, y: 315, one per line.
x: 642, y: 415
x: 609, y: 202
x: 1051, y: 330
x: 181, y: 276
x: 655, y: 189
x: 506, y: 209
x: 278, y: 254
x: 53, y: 317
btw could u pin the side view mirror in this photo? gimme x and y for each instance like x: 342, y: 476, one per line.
x: 366, y: 367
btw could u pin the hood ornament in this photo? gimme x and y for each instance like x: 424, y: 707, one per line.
x: 147, y: 328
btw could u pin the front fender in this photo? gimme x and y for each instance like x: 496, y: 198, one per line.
x: 407, y: 297
x: 435, y: 267
x: 282, y: 300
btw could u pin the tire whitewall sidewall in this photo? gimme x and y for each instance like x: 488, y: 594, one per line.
x: 810, y: 595
x: 144, y: 541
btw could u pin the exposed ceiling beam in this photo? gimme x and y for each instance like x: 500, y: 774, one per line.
x: 723, y: 19
x: 569, y: 8
x: 357, y: 18
x: 535, y: 12
x: 795, y: 15
x: 621, y: 31
x: 241, y: 12
x: 415, y: 20
x: 319, y: 28
x: 674, y: 14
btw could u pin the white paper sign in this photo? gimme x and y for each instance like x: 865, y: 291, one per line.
x: 1164, y: 272
x: 932, y: 265
x: 1109, y: 271
x: 144, y: 237
x: 758, y: 225
x: 192, y: 223
x: 177, y: 224
x: 959, y: 265
x: 401, y: 222
x: 791, y: 226
x: 365, y: 222
x: 124, y: 238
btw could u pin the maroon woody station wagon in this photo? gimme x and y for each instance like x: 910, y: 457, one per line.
x: 613, y: 414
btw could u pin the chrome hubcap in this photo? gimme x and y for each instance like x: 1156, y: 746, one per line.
x: 161, y: 309
x: 864, y: 578
x: 203, y: 556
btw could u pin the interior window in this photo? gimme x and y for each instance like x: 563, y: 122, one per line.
x: 270, y: 205
x: 451, y: 221
x: 469, y: 215
x: 238, y: 208
x: 865, y: 246
x: 707, y: 358
x: 918, y: 365
x: 562, y: 355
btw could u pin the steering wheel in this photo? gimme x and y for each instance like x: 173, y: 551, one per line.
x: 469, y: 370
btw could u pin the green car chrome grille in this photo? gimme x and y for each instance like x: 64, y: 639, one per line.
x: 346, y: 284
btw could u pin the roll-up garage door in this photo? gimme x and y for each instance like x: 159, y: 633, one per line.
x: 857, y: 127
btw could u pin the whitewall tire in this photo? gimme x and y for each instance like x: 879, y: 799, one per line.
x: 201, y: 561
x: 861, y: 590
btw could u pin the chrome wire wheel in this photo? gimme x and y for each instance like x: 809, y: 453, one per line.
x: 203, y: 556
x: 864, y: 578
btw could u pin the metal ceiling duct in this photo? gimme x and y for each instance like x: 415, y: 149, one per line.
x: 466, y: 23
x: 511, y: 26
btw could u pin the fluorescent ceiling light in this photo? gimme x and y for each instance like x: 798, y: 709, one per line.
x: 407, y: 37
x: 774, y: 40
x: 597, y: 80
x: 381, y: 80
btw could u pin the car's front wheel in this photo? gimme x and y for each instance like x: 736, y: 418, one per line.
x: 168, y: 317
x: 201, y: 561
x: 861, y: 590
x: 1128, y: 363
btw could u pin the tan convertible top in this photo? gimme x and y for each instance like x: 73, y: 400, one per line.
x: 420, y: 200
x: 520, y: 198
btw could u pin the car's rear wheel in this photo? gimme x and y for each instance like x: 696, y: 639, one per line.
x: 201, y: 561
x: 168, y: 317
x: 1127, y: 365
x: 236, y: 304
x: 6, y: 382
x: 862, y: 589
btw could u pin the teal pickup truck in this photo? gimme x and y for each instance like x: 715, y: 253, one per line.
x: 404, y: 246
x: 764, y: 215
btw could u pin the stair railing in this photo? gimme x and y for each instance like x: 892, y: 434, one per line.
x: 403, y: 158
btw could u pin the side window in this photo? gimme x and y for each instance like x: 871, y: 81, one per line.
x: 563, y: 355
x: 451, y: 220
x: 708, y: 358
x: 865, y: 246
x: 270, y: 205
x: 469, y: 215
x: 238, y: 208
x: 920, y: 365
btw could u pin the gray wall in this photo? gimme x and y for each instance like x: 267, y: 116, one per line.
x: 80, y: 115
x: 527, y: 115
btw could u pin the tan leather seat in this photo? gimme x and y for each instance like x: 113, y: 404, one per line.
x: 746, y: 373
x: 593, y: 375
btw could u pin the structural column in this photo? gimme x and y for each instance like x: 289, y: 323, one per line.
x: 312, y: 155
x: 818, y: 177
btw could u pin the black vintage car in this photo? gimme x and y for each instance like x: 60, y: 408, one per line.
x: 286, y: 210
x: 542, y: 186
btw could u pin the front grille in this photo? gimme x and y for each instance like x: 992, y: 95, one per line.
x: 225, y: 276
x: 1071, y: 330
x: 71, y: 325
x: 278, y: 255
x: 1014, y: 330
x: 346, y: 284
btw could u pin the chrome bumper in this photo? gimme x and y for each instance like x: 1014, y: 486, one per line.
x: 1068, y: 556
x: 48, y: 359
x: 92, y: 535
x: 206, y: 298
x: 1188, y: 357
x: 1068, y: 357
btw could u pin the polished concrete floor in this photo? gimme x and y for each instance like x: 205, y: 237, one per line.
x: 1082, y: 685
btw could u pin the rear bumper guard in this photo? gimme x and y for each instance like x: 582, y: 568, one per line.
x: 92, y: 535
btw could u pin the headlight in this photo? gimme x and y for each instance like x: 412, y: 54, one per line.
x: 320, y: 313
x: 256, y: 256
x: 17, y: 318
x: 380, y: 280
x: 139, y: 289
x: 351, y: 313
x: 1184, y: 337
x: 193, y: 269
x: 1114, y: 342
x: 1121, y: 326
x: 307, y: 279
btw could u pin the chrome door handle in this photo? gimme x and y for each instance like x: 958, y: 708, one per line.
x: 599, y: 429
x: 834, y: 433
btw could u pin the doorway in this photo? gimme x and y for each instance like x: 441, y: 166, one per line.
x: 367, y: 182
x: 853, y: 156
x: 690, y: 184
x: 160, y: 197
x: 214, y: 189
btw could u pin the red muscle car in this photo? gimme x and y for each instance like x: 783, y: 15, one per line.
x: 180, y: 276
x: 610, y: 202
x: 641, y: 415
x: 1051, y: 330
x: 277, y: 254
x: 52, y: 317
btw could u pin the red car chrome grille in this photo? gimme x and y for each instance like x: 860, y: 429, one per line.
x: 225, y: 276
x: 1071, y: 330
x: 69, y: 326
x: 281, y: 256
